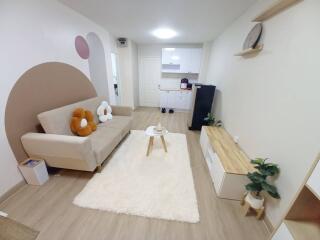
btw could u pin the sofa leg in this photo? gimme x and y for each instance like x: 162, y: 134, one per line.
x: 99, y: 168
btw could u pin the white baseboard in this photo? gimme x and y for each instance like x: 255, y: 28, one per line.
x: 268, y: 224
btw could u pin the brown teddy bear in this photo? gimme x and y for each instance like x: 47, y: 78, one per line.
x: 82, y: 122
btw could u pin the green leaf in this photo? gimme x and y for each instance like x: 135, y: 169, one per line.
x: 254, y: 187
x: 258, y: 161
x: 272, y: 190
x: 269, y: 169
x: 274, y: 195
x: 256, y: 177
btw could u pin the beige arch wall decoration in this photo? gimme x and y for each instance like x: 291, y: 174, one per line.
x: 42, y: 88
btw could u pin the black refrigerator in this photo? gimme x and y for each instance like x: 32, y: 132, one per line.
x: 202, y: 98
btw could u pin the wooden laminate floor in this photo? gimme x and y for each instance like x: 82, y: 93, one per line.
x: 49, y: 208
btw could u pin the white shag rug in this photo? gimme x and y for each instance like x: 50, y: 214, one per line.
x: 158, y: 186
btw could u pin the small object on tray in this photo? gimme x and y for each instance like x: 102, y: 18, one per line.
x: 158, y: 128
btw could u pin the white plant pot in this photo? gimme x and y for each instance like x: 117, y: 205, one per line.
x: 254, y: 201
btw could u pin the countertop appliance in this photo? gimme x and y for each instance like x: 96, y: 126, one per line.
x: 189, y: 86
x: 184, y: 83
x: 202, y: 98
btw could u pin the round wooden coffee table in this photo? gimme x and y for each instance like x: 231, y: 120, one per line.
x: 152, y: 132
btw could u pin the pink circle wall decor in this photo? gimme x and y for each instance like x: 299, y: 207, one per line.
x: 82, y: 47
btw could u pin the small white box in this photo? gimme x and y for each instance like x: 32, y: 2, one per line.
x: 34, y: 171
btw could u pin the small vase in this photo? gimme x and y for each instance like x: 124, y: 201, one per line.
x: 255, y: 202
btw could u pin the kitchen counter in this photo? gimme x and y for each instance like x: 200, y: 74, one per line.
x: 174, y: 89
x: 175, y: 98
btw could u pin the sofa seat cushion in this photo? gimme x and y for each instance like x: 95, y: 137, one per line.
x: 118, y: 122
x: 103, y: 141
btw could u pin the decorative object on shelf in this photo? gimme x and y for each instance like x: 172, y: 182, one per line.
x: 210, y: 120
x: 275, y: 8
x: 253, y: 37
x: 251, y: 44
x: 253, y: 199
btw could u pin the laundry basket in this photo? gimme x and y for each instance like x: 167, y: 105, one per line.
x: 34, y: 171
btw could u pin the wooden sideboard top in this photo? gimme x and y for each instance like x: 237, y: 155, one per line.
x: 233, y: 159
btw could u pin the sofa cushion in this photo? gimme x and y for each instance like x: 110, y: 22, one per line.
x: 57, y: 121
x: 103, y: 141
x: 118, y: 122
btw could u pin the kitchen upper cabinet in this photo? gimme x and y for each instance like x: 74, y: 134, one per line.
x: 181, y: 60
x: 196, y: 54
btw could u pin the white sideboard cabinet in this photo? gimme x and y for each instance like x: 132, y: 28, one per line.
x: 227, y: 163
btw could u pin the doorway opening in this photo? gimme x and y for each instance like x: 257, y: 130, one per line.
x: 115, y: 77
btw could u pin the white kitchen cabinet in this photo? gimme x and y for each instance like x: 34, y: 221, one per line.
x: 168, y: 99
x: 175, y: 99
x: 172, y: 56
x: 181, y: 60
x: 164, y: 99
x: 180, y: 100
x: 172, y: 99
x: 196, y: 54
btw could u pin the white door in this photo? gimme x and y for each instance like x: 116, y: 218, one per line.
x: 149, y: 80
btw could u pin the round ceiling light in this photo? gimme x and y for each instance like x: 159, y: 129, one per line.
x: 164, y: 33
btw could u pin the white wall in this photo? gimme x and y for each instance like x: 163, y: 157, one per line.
x: 271, y: 101
x: 33, y: 32
x: 98, y: 65
x: 128, y: 72
x: 206, y: 53
x: 168, y: 80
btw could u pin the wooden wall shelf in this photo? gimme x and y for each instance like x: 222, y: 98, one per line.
x: 275, y: 8
x: 250, y: 51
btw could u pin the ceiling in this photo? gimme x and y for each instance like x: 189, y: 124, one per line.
x: 195, y: 21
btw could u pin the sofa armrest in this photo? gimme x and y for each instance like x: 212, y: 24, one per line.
x: 61, y: 151
x: 121, y: 110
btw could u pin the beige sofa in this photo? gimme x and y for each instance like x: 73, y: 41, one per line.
x: 60, y: 148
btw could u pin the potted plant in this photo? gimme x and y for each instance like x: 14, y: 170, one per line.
x: 259, y: 182
x: 211, y: 121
